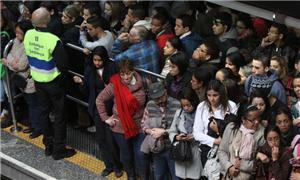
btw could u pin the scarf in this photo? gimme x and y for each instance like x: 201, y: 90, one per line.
x: 127, y: 105
x: 262, y: 84
x: 189, y: 121
x: 247, y: 143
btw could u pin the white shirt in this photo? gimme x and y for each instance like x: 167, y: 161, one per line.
x: 185, y: 34
x: 201, y: 121
x: 100, y: 71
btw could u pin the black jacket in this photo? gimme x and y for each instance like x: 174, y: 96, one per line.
x: 93, y: 84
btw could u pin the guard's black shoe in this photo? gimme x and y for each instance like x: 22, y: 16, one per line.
x: 34, y: 134
x: 65, y: 153
x: 106, y: 172
x: 27, y: 130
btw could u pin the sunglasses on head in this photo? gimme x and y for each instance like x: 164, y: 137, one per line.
x: 215, y: 21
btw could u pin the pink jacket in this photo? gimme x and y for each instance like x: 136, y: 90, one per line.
x: 108, y: 93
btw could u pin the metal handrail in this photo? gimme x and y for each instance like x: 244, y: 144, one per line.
x: 77, y: 74
x: 138, y: 69
x: 78, y: 48
x: 151, y: 73
x: 15, y: 128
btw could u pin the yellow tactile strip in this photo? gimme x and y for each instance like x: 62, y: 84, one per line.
x: 81, y: 159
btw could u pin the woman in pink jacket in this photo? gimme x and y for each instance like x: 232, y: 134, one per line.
x: 126, y: 89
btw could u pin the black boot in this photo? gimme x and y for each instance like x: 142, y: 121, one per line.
x: 63, y: 153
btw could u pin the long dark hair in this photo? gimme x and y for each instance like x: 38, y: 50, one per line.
x: 176, y: 43
x: 271, y: 128
x: 102, y: 52
x: 217, y: 86
x: 283, y: 110
x: 190, y: 95
x: 181, y: 61
x: 24, y: 25
x: 237, y: 59
x: 204, y: 74
x: 258, y: 94
x: 243, y: 112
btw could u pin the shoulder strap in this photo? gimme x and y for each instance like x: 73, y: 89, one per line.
x: 177, y: 119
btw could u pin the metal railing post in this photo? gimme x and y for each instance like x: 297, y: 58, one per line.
x: 74, y: 99
x: 15, y: 127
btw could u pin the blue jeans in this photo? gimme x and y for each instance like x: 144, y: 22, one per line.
x: 32, y: 103
x: 130, y: 152
x: 163, y: 166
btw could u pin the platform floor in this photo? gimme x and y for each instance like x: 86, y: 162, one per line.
x: 31, y: 152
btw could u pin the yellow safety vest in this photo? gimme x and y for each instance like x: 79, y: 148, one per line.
x: 39, y: 47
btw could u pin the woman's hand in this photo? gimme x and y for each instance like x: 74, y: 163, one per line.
x: 86, y: 51
x: 181, y: 137
x: 264, y: 158
x: 111, y: 121
x: 214, y: 126
x: 157, y: 132
x: 77, y: 79
x: 189, y: 137
x: 296, y: 122
x: 217, y: 141
x: 83, y: 25
x: 233, y: 171
x: 4, y: 61
x: 275, y: 153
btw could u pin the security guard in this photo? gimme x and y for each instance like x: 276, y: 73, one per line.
x: 48, y: 61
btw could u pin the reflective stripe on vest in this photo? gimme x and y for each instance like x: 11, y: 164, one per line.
x: 39, y: 47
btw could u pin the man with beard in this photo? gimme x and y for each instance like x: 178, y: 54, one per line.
x: 157, y: 119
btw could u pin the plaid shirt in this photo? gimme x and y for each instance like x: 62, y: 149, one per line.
x: 144, y: 55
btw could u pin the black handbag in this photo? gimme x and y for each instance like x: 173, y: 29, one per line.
x: 18, y: 80
x: 181, y: 151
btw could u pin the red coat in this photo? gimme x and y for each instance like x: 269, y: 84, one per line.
x: 162, y: 39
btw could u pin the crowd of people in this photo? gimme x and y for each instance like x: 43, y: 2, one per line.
x: 231, y: 90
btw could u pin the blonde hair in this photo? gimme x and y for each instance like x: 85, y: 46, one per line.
x: 72, y: 11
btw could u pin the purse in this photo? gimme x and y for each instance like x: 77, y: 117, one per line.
x: 212, y: 168
x: 181, y: 151
x: 18, y: 80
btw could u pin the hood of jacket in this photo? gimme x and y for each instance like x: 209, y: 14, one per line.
x: 231, y: 34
